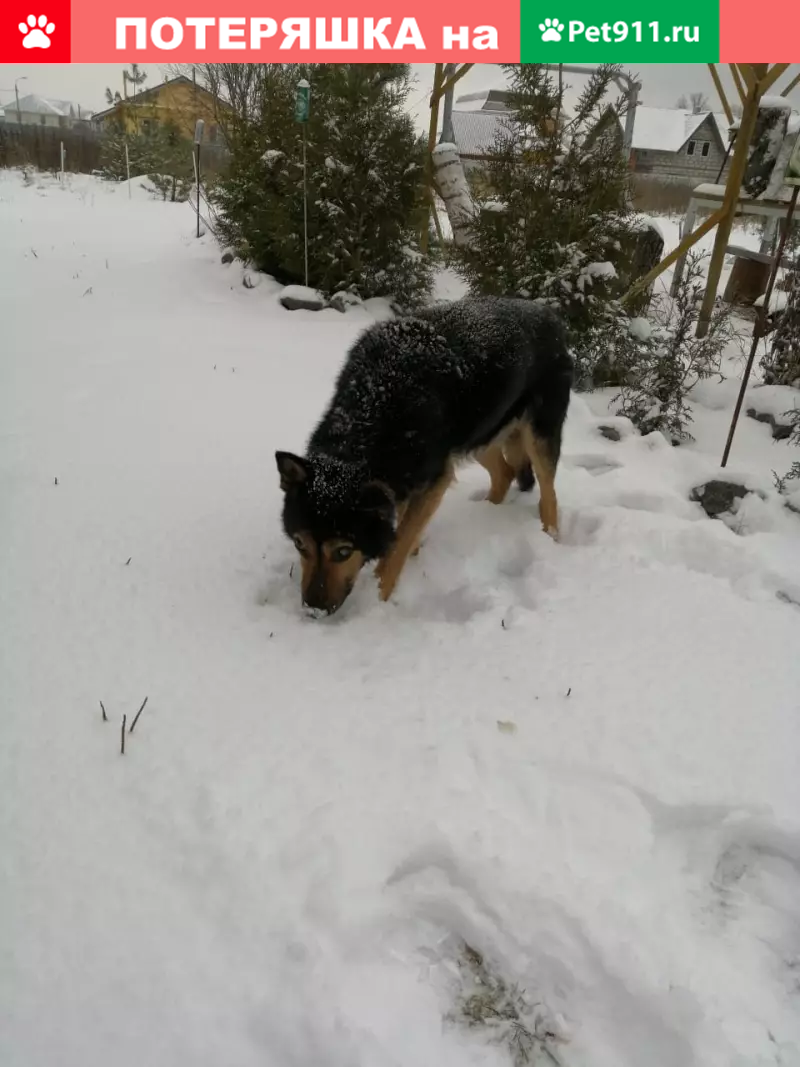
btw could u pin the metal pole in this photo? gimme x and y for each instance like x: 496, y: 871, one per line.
x: 198, y: 137
x: 19, y: 113
x: 760, y: 323
x: 197, y: 164
x: 447, y: 113
x: 438, y: 78
x: 305, y: 204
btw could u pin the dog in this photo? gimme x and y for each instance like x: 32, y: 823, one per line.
x: 487, y: 378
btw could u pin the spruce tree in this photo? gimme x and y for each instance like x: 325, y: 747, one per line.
x: 781, y: 364
x: 365, y: 167
x: 553, y: 218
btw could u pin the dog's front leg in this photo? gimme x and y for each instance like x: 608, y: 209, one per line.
x: 418, y: 514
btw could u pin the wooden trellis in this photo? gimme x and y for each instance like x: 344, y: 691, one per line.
x: 753, y: 81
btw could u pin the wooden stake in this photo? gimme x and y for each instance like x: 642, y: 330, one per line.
x: 451, y: 81
x: 726, y: 107
x: 105, y: 717
x: 792, y: 84
x: 760, y: 323
x: 122, y: 736
x: 769, y: 79
x: 737, y: 81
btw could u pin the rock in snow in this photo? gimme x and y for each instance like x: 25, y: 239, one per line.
x: 301, y: 298
x: 344, y: 300
x: 717, y: 497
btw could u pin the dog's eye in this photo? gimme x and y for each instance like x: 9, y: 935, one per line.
x: 299, y: 545
x: 342, y: 553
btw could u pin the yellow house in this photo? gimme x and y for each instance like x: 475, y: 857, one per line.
x: 178, y: 101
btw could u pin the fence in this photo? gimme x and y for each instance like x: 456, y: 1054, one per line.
x: 40, y: 147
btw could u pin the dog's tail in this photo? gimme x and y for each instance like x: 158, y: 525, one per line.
x: 525, y: 478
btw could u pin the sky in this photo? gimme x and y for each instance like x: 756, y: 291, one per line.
x: 85, y: 83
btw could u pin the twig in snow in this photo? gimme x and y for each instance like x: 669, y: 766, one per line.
x: 503, y: 624
x: 34, y: 252
x: 122, y: 736
x: 56, y: 481
x: 138, y: 713
x: 102, y: 708
x: 88, y: 291
x: 127, y: 561
x: 291, y: 570
x: 569, y: 690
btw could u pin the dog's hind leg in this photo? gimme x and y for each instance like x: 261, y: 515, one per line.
x: 543, y: 454
x: 517, y: 457
x: 419, y: 512
x: 500, y: 471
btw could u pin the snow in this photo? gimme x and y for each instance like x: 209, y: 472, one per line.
x: 640, y: 328
x: 778, y: 301
x: 600, y: 270
x: 777, y: 103
x: 302, y: 295
x: 310, y: 815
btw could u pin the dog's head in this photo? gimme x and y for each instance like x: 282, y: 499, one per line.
x: 338, y: 519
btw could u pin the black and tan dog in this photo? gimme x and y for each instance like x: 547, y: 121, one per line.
x: 487, y: 378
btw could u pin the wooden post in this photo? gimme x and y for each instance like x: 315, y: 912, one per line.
x: 732, y: 190
x: 737, y: 81
x: 726, y: 107
x: 792, y: 85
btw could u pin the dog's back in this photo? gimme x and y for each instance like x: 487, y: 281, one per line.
x: 416, y: 392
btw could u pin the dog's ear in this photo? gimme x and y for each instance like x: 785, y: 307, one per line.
x: 378, y: 498
x: 292, y: 469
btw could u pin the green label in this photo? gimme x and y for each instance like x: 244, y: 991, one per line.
x: 619, y: 31
x: 301, y: 103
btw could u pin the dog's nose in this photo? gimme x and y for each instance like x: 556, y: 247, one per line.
x: 314, y: 598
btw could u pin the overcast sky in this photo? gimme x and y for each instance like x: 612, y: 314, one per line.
x: 85, y: 83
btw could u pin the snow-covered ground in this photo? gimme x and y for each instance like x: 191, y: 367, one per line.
x: 580, y: 758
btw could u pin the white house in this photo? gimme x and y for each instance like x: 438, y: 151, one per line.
x: 35, y: 110
x: 669, y: 144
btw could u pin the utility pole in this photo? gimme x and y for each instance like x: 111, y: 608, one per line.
x: 16, y: 94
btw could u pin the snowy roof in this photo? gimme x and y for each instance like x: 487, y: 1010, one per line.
x: 475, y: 131
x: 484, y: 100
x: 667, y: 129
x: 43, y: 105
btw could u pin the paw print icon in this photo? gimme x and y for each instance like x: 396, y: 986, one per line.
x: 36, y: 35
x: 551, y: 29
